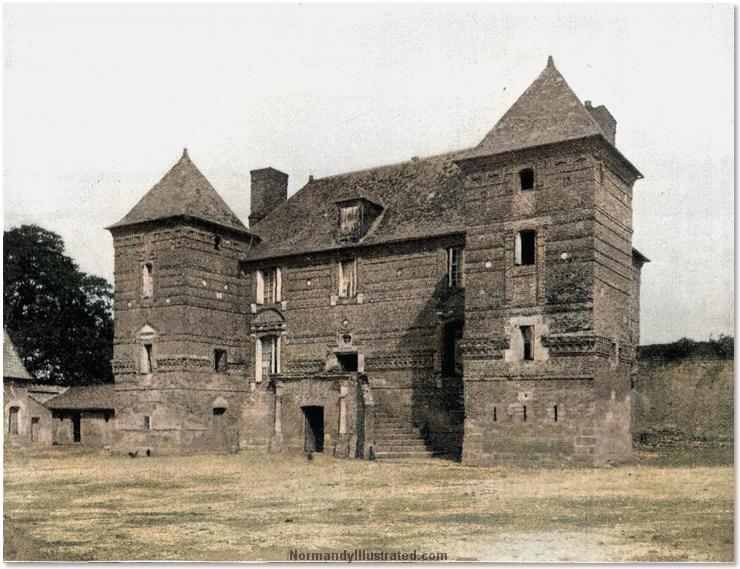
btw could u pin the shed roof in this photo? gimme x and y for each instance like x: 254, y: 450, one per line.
x: 183, y: 192
x: 85, y: 397
x: 13, y: 367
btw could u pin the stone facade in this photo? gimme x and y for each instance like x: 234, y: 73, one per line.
x: 481, y: 304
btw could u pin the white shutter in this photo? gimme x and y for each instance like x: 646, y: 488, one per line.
x: 277, y: 353
x: 260, y: 296
x: 518, y: 249
x: 342, y: 288
x: 278, y: 285
x: 258, y: 361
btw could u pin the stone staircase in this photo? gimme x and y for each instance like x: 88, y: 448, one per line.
x: 398, y: 439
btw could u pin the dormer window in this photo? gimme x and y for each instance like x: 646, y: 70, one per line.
x: 355, y: 217
x: 526, y: 179
x: 350, y: 217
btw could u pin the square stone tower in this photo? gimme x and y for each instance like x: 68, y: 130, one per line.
x: 181, y: 343
x: 547, y: 344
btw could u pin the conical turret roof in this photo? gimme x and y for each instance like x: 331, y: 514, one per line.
x: 183, y: 192
x: 547, y: 112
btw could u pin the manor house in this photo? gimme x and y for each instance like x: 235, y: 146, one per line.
x: 481, y: 304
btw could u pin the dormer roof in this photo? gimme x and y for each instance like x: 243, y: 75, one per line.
x: 183, y: 192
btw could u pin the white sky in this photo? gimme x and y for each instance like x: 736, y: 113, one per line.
x: 100, y: 99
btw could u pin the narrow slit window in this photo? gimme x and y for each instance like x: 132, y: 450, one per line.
x: 147, y: 280
x: 527, y: 342
x: 454, y: 265
x: 146, y: 358
x: 147, y: 423
x: 494, y: 415
x: 217, y: 242
x: 526, y: 179
x: 555, y: 413
x: 525, y: 247
x: 524, y: 413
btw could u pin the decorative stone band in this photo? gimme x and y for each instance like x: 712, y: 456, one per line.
x: 183, y: 363
x: 305, y: 366
x: 123, y: 366
x: 417, y: 359
x: 484, y: 348
x: 579, y: 345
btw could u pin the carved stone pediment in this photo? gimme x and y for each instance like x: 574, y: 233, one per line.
x: 268, y: 320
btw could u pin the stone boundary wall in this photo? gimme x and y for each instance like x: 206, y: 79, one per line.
x: 685, y: 388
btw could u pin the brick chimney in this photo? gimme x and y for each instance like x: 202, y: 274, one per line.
x: 269, y: 190
x: 606, y: 121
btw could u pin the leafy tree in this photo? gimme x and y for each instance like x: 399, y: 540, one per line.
x: 59, y: 317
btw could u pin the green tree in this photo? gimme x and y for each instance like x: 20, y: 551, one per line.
x: 59, y: 317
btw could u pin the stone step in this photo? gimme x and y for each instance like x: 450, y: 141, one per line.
x: 407, y: 432
x: 396, y: 435
x: 400, y: 448
x: 403, y: 455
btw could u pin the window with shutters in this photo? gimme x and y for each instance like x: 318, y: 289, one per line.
x: 147, y: 280
x: 348, y: 278
x: 268, y: 357
x: 146, y: 359
x: 525, y: 247
x: 528, y: 342
x: 269, y: 286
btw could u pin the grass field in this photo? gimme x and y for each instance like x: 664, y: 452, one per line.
x: 63, y: 504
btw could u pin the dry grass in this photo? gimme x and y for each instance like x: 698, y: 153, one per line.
x: 62, y: 504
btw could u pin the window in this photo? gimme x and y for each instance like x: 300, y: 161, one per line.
x: 524, y: 413
x: 524, y: 247
x: 526, y: 179
x: 347, y: 361
x: 269, y: 286
x: 454, y: 263
x: 348, y: 278
x: 147, y: 280
x: 217, y: 411
x: 13, y: 420
x: 451, y: 356
x: 147, y: 423
x: 528, y: 342
x: 217, y: 242
x: 268, y: 357
x: 555, y: 413
x: 350, y: 218
x: 219, y: 361
x: 146, y: 358
x: 494, y: 415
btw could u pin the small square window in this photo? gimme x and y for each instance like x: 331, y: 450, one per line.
x: 220, y: 363
x: 347, y: 361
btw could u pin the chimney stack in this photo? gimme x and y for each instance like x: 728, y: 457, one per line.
x: 606, y: 121
x: 269, y: 190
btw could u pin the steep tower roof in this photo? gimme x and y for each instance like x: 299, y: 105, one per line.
x: 547, y: 112
x: 12, y: 364
x: 183, y: 192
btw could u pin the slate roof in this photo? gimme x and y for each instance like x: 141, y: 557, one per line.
x: 12, y: 364
x: 547, y: 112
x: 420, y: 198
x: 85, y: 397
x: 183, y: 192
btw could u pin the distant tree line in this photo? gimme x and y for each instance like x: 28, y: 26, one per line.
x: 59, y: 317
x: 723, y: 347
